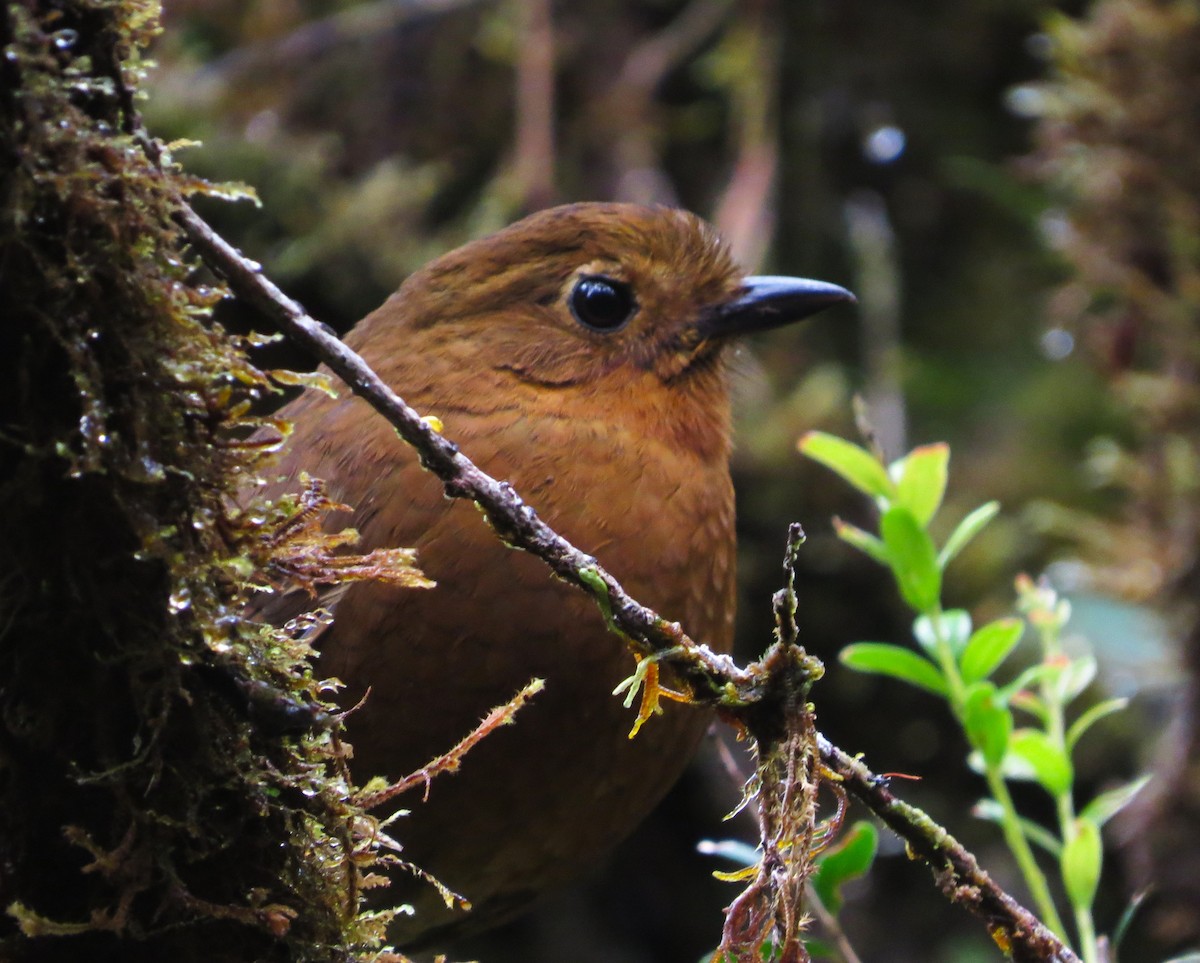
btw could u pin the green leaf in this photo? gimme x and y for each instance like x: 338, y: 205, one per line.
x: 1029, y: 701
x: 955, y: 628
x: 925, y: 634
x: 956, y: 625
x: 987, y: 721
x: 1074, y: 677
x: 967, y: 529
x: 1049, y: 763
x: 891, y: 660
x: 1082, y: 857
x: 993, y: 812
x: 865, y: 542
x: 913, y: 559
x: 921, y: 480
x: 1090, y: 717
x: 850, y: 858
x: 1015, y: 767
x: 857, y: 465
x: 1101, y: 809
x: 988, y: 647
x: 1023, y: 684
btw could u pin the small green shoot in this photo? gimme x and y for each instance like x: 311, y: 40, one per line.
x: 959, y: 663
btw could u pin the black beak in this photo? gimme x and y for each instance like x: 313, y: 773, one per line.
x: 769, y: 302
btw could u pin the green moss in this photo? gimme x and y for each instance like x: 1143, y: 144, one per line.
x: 171, y: 784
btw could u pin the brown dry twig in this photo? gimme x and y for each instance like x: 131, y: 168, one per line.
x: 785, y: 787
x: 502, y: 715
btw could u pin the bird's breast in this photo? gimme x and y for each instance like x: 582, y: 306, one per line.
x: 539, y: 800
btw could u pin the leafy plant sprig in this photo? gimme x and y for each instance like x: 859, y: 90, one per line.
x: 958, y: 662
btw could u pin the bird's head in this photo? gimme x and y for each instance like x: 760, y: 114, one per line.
x: 613, y: 303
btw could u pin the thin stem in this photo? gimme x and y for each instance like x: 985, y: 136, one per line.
x: 1089, y: 946
x: 1014, y: 836
x: 1010, y: 822
x: 832, y: 928
x: 1056, y: 728
x: 948, y: 663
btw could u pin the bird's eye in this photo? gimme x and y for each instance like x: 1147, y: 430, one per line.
x: 601, y: 303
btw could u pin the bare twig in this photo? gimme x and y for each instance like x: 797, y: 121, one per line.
x: 501, y: 715
x: 831, y: 927
x: 534, y: 162
x: 649, y: 63
x: 316, y: 38
x: 745, y: 214
x: 786, y: 781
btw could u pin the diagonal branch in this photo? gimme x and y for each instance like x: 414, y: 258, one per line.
x: 749, y: 695
x: 1017, y: 931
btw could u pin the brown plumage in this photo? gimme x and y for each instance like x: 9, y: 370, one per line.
x: 578, y: 354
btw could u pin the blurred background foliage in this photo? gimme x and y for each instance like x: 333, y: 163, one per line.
x: 1013, y: 190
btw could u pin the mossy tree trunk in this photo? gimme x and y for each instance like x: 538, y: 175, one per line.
x: 169, y: 786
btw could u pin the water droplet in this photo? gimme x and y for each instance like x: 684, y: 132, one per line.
x: 151, y: 469
x: 884, y: 144
x: 1057, y: 343
x: 65, y: 39
x: 1055, y: 228
x: 228, y: 623
x: 1025, y: 100
x: 1040, y: 45
x: 180, y: 600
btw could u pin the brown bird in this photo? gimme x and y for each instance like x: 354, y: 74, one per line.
x: 581, y: 355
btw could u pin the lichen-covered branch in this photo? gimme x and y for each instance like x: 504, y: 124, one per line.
x: 1016, y: 931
